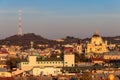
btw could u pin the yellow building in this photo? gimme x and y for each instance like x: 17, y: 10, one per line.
x: 4, y: 73
x: 112, y: 56
x: 97, y: 45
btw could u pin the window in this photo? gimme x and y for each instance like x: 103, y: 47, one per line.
x: 39, y: 62
x: 2, y: 74
x: 25, y: 62
x: 72, y: 65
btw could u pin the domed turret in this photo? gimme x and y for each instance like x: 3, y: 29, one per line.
x: 111, y: 77
x: 96, y: 34
x: 96, y: 39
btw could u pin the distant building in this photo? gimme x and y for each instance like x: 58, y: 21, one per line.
x: 11, y: 49
x: 78, y: 48
x: 4, y: 73
x: 59, y: 40
x: 3, y: 58
x: 97, y: 45
x: 68, y: 48
x: 111, y: 46
x: 46, y: 71
x: 97, y: 60
x: 112, y: 56
x: 40, y: 65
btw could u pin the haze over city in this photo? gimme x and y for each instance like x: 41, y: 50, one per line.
x: 59, y: 39
x: 60, y: 18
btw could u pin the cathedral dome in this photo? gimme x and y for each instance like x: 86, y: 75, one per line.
x: 96, y: 39
x: 96, y: 45
x: 96, y: 34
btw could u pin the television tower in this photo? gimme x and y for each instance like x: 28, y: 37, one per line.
x: 20, y: 23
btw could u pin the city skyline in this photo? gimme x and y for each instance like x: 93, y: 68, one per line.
x: 54, y: 19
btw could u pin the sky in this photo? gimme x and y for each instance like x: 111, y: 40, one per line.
x: 54, y: 19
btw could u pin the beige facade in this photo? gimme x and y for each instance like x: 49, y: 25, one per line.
x: 3, y: 58
x: 3, y: 65
x: 69, y: 60
x: 5, y: 74
x: 46, y: 71
x: 111, y: 56
x: 78, y: 48
x: 96, y: 45
x: 42, y: 63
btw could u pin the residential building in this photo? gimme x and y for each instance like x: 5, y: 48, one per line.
x: 112, y: 56
x: 4, y: 73
x: 78, y: 48
x: 3, y: 58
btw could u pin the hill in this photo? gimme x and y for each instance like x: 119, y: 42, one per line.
x: 25, y: 40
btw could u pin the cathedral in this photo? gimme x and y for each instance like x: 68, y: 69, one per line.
x: 96, y: 45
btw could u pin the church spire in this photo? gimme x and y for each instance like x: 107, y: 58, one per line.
x: 96, y: 32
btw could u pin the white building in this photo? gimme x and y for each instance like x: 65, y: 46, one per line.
x: 40, y: 65
x: 46, y: 71
x: 78, y: 48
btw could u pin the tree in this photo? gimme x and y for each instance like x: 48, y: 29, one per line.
x: 81, y: 58
x: 87, y: 76
x: 12, y: 62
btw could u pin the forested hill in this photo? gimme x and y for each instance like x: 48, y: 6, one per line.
x: 25, y: 40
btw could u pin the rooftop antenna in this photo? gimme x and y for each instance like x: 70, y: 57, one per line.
x: 20, y: 23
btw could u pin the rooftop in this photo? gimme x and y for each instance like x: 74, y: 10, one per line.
x: 113, y: 53
x: 49, y: 59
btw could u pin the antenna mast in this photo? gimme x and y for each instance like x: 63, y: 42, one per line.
x: 20, y: 23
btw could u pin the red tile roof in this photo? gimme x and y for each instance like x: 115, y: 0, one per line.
x: 6, y: 78
x: 3, y: 52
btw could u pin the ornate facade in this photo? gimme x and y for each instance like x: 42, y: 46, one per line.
x: 96, y: 45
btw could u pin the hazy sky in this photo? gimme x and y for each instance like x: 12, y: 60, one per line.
x: 58, y: 18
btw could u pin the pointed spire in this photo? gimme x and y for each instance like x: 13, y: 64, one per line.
x: 31, y: 45
x: 96, y: 32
